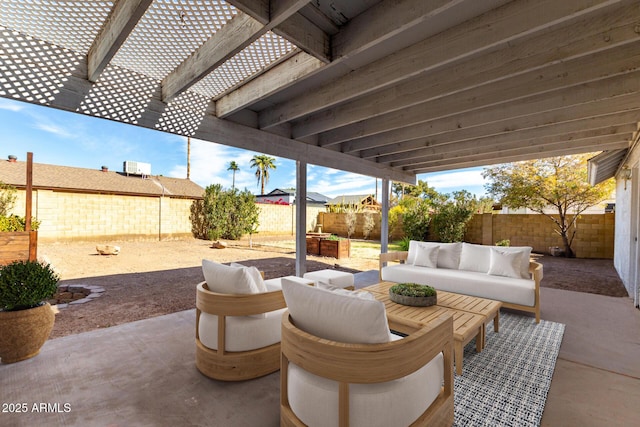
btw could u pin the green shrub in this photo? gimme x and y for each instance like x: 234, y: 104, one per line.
x: 7, y: 198
x: 224, y: 214
x: 504, y: 242
x: 416, y: 219
x: 413, y: 290
x: 26, y: 284
x: 404, y: 244
x: 16, y: 223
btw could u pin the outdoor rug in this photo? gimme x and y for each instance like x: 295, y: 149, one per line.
x: 507, y: 383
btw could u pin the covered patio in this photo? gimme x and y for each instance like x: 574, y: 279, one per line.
x: 389, y: 89
x: 143, y: 373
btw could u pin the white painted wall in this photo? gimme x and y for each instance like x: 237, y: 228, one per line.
x: 627, y: 213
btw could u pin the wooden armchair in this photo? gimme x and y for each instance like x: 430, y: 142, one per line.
x: 325, y: 382
x: 242, y: 347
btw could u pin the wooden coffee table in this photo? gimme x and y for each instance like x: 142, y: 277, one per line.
x: 486, y: 307
x: 466, y: 325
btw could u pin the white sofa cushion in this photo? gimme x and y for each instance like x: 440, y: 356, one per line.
x: 242, y: 333
x: 334, y: 316
x: 427, y: 256
x: 477, y: 258
x: 448, y: 253
x: 224, y: 279
x: 336, y: 278
x: 500, y: 288
x: 255, y: 275
x: 394, y: 403
x: 505, y: 263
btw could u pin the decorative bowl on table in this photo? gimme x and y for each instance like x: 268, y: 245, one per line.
x: 413, y: 294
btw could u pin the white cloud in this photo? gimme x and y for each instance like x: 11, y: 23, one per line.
x: 6, y: 104
x: 455, y: 179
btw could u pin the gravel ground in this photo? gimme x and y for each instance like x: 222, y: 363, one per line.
x: 154, y: 278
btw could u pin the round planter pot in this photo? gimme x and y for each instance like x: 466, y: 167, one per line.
x: 413, y: 301
x: 24, y: 332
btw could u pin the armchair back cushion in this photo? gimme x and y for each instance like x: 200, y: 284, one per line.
x: 335, y: 316
x: 224, y: 279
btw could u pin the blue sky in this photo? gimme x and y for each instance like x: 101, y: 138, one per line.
x: 62, y: 138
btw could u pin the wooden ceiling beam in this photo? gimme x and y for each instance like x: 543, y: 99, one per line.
x: 564, y: 148
x: 281, y: 76
x: 401, y: 159
x: 236, y: 135
x: 470, y: 39
x: 503, y: 146
x: 530, y: 61
x: 237, y: 34
x: 296, y: 28
x: 119, y: 24
x: 615, y: 105
x: 454, y: 113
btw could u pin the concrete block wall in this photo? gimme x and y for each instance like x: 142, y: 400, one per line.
x: 594, y: 235
x: 281, y: 219
x: 336, y: 223
x: 68, y: 216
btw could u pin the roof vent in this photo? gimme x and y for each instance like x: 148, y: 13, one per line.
x: 137, y: 168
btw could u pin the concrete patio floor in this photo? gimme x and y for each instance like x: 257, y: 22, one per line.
x: 143, y: 374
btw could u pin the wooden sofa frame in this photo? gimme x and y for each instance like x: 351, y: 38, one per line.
x: 242, y: 365
x: 370, y: 363
x: 535, y: 269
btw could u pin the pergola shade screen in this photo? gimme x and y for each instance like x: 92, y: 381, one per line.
x: 382, y: 88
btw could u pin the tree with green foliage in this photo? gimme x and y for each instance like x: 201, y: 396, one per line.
x: 555, y: 184
x: 224, y: 214
x: 233, y: 166
x: 263, y: 163
x: 451, y: 216
x: 416, y: 218
x: 7, y: 198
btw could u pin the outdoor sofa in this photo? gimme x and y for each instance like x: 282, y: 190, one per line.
x: 495, y: 272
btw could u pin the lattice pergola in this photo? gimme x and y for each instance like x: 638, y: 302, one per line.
x: 383, y: 88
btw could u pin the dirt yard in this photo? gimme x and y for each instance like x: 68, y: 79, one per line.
x: 154, y: 278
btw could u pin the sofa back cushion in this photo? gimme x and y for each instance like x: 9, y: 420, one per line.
x: 448, y: 253
x: 505, y: 263
x: 478, y: 258
x: 336, y: 316
x: 224, y: 279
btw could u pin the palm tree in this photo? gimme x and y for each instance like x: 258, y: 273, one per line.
x: 263, y: 163
x: 233, y: 166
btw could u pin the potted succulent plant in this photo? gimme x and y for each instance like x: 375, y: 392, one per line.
x: 26, y: 319
x: 413, y: 294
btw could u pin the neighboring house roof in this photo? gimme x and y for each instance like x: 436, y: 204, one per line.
x: 352, y: 200
x: 66, y: 178
x: 312, y: 197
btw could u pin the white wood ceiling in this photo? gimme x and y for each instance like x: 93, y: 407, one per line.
x: 382, y: 88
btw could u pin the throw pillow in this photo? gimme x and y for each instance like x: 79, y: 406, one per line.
x: 336, y: 316
x: 505, y: 263
x: 475, y: 257
x: 224, y: 279
x: 255, y: 275
x: 427, y: 256
x: 449, y: 255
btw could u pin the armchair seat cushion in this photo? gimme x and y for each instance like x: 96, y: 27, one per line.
x: 313, y: 398
x: 243, y: 333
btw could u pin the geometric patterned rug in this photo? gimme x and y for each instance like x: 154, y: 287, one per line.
x: 508, y: 382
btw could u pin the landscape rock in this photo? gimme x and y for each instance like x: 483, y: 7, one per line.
x: 108, y: 249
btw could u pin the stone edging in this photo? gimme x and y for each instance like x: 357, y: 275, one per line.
x: 94, y: 292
